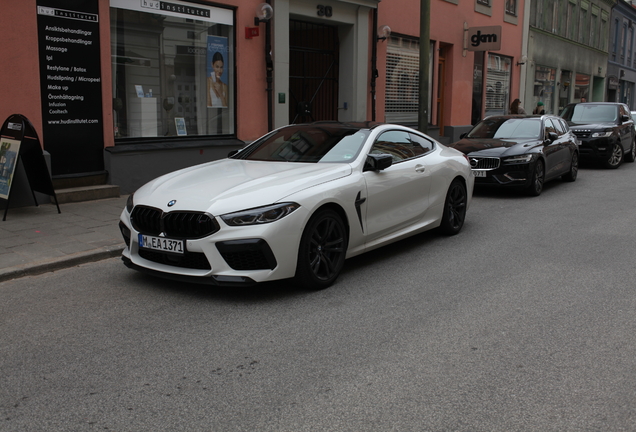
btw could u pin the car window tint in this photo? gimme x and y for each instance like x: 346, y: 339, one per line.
x: 398, y: 144
x: 503, y: 128
x: 584, y: 113
x: 549, y: 127
x: 560, y: 130
x: 308, y: 143
x: 426, y: 144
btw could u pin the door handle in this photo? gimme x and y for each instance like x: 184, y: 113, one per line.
x: 420, y: 168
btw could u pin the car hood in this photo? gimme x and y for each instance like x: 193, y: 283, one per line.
x: 230, y: 185
x: 598, y: 125
x: 494, y: 147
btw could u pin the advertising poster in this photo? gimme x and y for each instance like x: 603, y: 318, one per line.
x: 9, y: 150
x: 71, y: 84
x: 217, y: 61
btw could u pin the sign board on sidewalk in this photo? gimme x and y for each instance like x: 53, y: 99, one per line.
x: 19, y: 142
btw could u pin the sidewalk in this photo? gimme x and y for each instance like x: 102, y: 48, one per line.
x: 35, y: 240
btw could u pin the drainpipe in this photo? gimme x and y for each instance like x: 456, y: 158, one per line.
x: 374, y: 61
x: 425, y: 40
x: 269, y: 67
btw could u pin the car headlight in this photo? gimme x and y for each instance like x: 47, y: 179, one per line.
x: 130, y: 203
x: 521, y: 159
x: 602, y: 134
x: 260, y: 215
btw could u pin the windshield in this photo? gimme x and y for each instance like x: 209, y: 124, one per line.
x: 307, y: 143
x: 504, y: 128
x: 583, y: 113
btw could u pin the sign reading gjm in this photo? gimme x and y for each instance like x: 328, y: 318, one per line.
x: 484, y: 38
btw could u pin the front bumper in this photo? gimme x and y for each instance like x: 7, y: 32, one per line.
x: 239, y: 256
x: 513, y: 175
x: 596, y: 148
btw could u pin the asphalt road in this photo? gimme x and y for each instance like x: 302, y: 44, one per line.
x: 525, y: 321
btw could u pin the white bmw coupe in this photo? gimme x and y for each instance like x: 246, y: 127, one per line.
x: 295, y: 204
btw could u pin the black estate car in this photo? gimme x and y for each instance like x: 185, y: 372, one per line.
x: 605, y: 129
x: 520, y: 151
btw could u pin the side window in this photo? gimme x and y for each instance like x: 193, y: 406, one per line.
x: 549, y: 127
x: 427, y: 145
x: 564, y: 125
x: 398, y: 144
x: 558, y: 126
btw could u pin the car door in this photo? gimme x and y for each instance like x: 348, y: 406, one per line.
x: 626, y: 128
x: 554, y: 151
x: 397, y: 196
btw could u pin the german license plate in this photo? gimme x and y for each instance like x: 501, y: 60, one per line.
x: 161, y: 244
x: 479, y: 173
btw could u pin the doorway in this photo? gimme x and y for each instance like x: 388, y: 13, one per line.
x: 313, y: 72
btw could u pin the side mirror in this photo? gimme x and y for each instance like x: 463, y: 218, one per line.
x: 552, y: 136
x: 378, y: 162
x: 462, y: 136
x: 625, y: 118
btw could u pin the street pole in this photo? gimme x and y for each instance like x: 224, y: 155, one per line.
x: 425, y: 36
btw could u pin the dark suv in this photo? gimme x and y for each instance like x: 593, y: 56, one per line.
x: 605, y: 130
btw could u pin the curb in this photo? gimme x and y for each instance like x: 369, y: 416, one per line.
x: 60, y: 263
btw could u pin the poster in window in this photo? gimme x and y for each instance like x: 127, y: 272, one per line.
x: 217, y: 61
x: 9, y: 149
x: 181, y: 126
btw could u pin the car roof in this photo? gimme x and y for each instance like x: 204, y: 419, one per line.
x: 341, y: 125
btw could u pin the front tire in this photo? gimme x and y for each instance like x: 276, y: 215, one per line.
x: 574, y: 169
x: 536, y: 182
x: 454, y: 208
x: 615, y: 158
x: 322, y: 251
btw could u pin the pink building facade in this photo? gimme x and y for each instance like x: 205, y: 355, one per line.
x: 137, y: 88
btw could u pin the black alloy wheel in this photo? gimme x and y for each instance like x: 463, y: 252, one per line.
x: 574, y: 169
x: 322, y: 250
x: 538, y: 176
x: 454, y: 208
x: 615, y: 158
x: 631, y: 156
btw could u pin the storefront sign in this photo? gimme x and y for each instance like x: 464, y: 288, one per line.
x: 484, y: 38
x: 70, y: 85
x: 612, y: 82
x: 179, y: 9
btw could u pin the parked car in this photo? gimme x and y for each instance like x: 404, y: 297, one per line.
x: 605, y: 129
x: 520, y: 151
x: 296, y: 203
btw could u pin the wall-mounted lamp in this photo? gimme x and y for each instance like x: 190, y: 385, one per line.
x: 264, y: 13
x: 384, y: 31
x: 523, y: 61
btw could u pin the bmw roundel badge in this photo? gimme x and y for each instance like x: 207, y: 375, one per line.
x: 171, y: 203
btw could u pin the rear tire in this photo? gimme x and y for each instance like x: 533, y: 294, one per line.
x: 322, y: 250
x: 454, y: 208
x: 574, y: 169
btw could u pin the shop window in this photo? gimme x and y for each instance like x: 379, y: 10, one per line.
x: 173, y: 69
x: 544, y: 81
x: 498, y: 84
x: 581, y: 87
